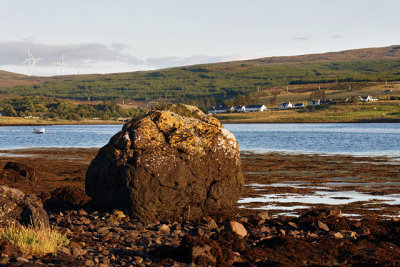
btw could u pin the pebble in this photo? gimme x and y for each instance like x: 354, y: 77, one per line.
x: 65, y: 250
x: 164, y: 229
x: 89, y: 263
x: 323, y: 226
x: 263, y: 215
x: 22, y: 259
x: 237, y: 228
x: 138, y: 259
x: 103, y: 231
x: 338, y: 235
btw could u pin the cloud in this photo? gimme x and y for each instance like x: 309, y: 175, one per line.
x: 93, y: 58
x: 15, y: 52
x: 300, y: 38
x: 336, y: 36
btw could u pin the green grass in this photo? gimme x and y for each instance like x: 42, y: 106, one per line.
x: 33, y: 240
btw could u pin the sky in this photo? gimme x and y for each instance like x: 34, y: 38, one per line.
x: 102, y: 36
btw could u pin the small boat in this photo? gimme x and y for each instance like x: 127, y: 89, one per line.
x: 38, y: 131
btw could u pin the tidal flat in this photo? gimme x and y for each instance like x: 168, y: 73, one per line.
x: 321, y: 210
x: 282, y: 183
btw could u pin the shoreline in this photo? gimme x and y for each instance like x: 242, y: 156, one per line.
x: 386, y: 121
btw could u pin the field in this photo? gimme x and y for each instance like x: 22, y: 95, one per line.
x: 383, y: 111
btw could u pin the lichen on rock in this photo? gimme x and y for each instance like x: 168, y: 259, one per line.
x: 174, y: 163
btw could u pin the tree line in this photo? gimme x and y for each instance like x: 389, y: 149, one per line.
x: 45, y: 107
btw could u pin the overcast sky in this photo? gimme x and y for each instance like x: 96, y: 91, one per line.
x: 102, y: 36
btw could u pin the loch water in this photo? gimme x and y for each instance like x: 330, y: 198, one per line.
x: 327, y: 138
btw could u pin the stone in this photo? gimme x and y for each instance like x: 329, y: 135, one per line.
x: 336, y: 213
x: 292, y: 224
x: 264, y: 215
x: 22, y: 259
x: 89, y: 263
x: 164, y: 229
x: 17, y: 172
x: 18, y: 208
x: 237, y: 228
x: 66, y: 198
x: 103, y: 230
x: 65, y: 250
x: 138, y: 259
x: 338, y: 235
x: 175, y: 163
x: 203, y: 251
x: 323, y: 226
x: 8, y: 248
x: 363, y: 231
x: 4, y: 260
x: 212, y: 225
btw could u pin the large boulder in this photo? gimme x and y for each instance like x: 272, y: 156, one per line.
x: 18, y: 208
x: 174, y: 163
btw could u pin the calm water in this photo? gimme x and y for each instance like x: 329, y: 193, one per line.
x: 330, y: 138
x: 358, y: 139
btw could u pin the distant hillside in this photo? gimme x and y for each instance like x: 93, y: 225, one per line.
x: 207, y: 84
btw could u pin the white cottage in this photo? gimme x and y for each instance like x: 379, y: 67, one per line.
x: 285, y: 105
x: 254, y: 108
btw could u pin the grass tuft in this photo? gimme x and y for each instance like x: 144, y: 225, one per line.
x: 33, y: 240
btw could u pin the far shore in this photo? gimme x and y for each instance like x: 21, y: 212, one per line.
x: 25, y: 122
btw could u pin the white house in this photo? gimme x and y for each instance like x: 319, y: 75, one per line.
x: 220, y: 109
x: 315, y: 103
x: 285, y: 105
x: 367, y: 98
x: 239, y: 109
x: 254, y: 108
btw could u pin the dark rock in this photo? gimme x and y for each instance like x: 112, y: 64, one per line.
x: 16, y: 172
x: 66, y: 198
x: 174, y: 163
x: 16, y: 207
x: 8, y: 248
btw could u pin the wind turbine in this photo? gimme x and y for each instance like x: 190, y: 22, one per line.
x: 34, y: 61
x: 29, y: 62
x: 57, y: 63
x: 60, y: 64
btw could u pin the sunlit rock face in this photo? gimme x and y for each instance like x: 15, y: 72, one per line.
x: 174, y: 163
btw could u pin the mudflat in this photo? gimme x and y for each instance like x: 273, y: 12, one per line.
x: 323, y: 209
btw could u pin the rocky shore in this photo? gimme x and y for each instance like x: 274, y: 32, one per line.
x: 319, y: 236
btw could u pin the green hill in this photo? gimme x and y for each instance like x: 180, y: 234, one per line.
x: 207, y: 84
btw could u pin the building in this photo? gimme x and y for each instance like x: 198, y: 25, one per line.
x: 254, y: 108
x: 220, y: 109
x: 239, y: 109
x: 315, y: 103
x: 299, y: 105
x: 285, y: 105
x: 367, y: 98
